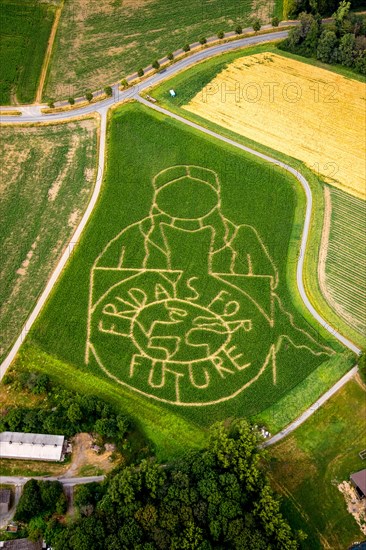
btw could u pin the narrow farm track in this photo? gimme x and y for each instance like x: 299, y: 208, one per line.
x: 47, y: 57
x: 32, y: 114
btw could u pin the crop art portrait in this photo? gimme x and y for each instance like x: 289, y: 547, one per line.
x: 179, y: 299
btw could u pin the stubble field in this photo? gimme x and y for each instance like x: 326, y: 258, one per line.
x: 306, y: 112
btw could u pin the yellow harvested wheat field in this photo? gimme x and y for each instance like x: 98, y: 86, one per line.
x: 309, y: 113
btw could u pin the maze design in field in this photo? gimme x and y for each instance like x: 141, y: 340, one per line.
x: 183, y: 305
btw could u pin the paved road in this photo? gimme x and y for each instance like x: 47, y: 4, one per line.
x: 32, y: 113
x: 20, y: 481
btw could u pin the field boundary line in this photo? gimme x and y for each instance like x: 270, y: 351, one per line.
x: 69, y: 247
x: 309, y: 207
x: 312, y: 409
x: 47, y: 57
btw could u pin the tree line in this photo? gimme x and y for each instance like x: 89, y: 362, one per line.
x: 342, y: 42
x: 63, y: 412
x: 219, y: 497
x: 325, y: 8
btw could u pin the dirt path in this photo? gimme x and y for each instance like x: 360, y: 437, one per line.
x: 47, y: 57
x: 84, y: 456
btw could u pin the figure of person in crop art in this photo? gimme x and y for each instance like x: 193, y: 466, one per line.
x: 183, y: 305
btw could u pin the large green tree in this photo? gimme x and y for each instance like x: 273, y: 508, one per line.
x: 216, y: 498
x: 327, y: 47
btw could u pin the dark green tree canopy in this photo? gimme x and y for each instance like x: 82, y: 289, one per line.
x: 215, y: 498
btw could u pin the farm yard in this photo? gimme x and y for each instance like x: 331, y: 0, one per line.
x: 101, y: 41
x: 178, y: 333
x: 309, y: 466
x: 25, y: 30
x: 342, y: 269
x: 47, y: 175
x: 306, y: 109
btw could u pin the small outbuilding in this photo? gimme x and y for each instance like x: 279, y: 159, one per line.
x: 26, y: 446
x: 358, y: 480
x: 172, y: 93
x: 5, y: 496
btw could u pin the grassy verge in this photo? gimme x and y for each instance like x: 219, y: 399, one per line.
x: 48, y: 174
x: 188, y: 84
x: 308, y: 465
x: 10, y: 113
x: 31, y: 468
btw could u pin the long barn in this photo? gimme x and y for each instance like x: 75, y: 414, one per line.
x: 28, y: 446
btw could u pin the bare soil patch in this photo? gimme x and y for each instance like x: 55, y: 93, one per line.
x: 84, y: 456
x: 355, y: 506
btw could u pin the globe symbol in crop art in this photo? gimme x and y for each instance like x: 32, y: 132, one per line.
x: 179, y: 300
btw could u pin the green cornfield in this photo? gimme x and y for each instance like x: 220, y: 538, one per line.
x: 25, y: 29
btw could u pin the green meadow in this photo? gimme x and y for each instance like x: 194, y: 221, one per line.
x: 25, y: 29
x: 308, y: 467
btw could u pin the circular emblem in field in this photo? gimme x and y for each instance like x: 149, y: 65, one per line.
x: 178, y: 330
x: 182, y: 303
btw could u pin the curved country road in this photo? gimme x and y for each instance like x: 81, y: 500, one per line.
x: 32, y: 113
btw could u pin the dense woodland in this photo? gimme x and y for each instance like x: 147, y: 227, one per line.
x: 216, y: 498
x: 325, y: 8
x: 343, y: 42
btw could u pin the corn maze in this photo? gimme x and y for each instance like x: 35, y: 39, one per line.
x: 177, y: 293
x: 183, y: 296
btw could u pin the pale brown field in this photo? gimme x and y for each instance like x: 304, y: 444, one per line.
x: 309, y: 113
x: 46, y: 176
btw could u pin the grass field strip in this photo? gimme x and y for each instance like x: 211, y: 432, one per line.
x: 68, y: 250
x: 48, y: 53
x: 187, y: 320
x: 342, y: 265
